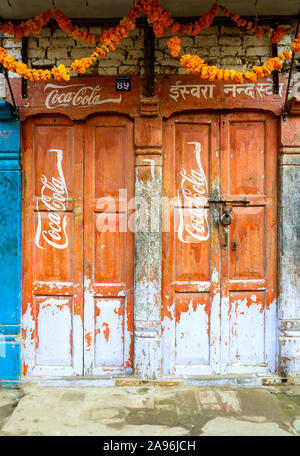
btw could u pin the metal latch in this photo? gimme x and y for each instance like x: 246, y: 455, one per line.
x: 226, y: 219
x: 221, y: 201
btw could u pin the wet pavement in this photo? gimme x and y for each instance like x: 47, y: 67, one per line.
x: 150, y: 411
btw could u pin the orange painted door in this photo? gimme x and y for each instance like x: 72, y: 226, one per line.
x: 219, y: 281
x: 77, y: 255
x: 108, y: 246
x: 249, y: 277
x: 191, y: 247
x: 52, y: 247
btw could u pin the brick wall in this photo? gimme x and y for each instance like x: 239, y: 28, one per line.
x: 226, y: 47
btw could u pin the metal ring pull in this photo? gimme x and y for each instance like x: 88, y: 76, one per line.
x: 226, y: 218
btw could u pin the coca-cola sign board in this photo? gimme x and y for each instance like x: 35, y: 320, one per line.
x: 76, y: 95
x: 77, y: 98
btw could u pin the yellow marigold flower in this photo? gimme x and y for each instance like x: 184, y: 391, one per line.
x: 285, y: 55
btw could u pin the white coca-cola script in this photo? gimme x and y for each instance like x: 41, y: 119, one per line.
x: 193, y: 224
x: 77, y: 95
x: 54, y: 194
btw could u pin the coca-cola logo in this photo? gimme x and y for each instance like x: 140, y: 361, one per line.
x: 54, y: 195
x: 193, y: 225
x: 77, y: 95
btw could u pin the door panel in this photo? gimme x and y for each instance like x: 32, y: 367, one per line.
x: 52, y: 248
x: 191, y: 294
x: 247, y: 253
x: 249, y: 281
x: 108, y: 247
x: 109, y: 332
x: 245, y: 154
x: 219, y: 285
x: 246, y: 329
x: 192, y: 328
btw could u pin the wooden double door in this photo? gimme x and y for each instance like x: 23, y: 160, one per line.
x: 219, y: 245
x: 219, y: 285
x: 77, y: 260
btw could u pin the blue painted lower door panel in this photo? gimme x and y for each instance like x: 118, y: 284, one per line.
x: 10, y: 250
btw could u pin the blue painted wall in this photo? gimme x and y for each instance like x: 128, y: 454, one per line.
x: 10, y: 249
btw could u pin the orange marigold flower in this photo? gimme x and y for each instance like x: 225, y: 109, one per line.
x: 174, y: 44
x: 101, y: 51
x: 278, y: 34
x: 273, y: 64
x: 295, y: 44
x: 259, y: 32
x: 224, y: 10
x: 238, y: 77
x: 175, y: 28
x: 212, y: 71
x: 259, y: 71
x: 203, y: 70
x: 226, y: 75
x: 250, y: 76
x: 220, y: 75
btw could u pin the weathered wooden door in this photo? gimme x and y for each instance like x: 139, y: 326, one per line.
x: 77, y: 275
x: 52, y: 247
x: 108, y: 246
x: 219, y: 279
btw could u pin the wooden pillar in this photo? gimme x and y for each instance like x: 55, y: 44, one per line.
x: 149, y: 59
x: 289, y: 248
x: 148, y: 251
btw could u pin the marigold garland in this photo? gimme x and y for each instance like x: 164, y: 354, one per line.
x: 202, y: 23
x: 110, y: 38
x: 113, y: 35
x: 295, y: 44
x: 34, y: 25
x: 162, y: 21
x: 61, y: 73
x: 195, y: 65
x: 158, y: 15
x: 275, y: 34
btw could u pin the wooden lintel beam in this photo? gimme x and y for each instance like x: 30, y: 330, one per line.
x: 24, y: 60
x: 149, y: 49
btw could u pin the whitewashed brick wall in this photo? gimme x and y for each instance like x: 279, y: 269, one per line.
x: 226, y: 47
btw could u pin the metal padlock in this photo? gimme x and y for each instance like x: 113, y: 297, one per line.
x: 226, y: 218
